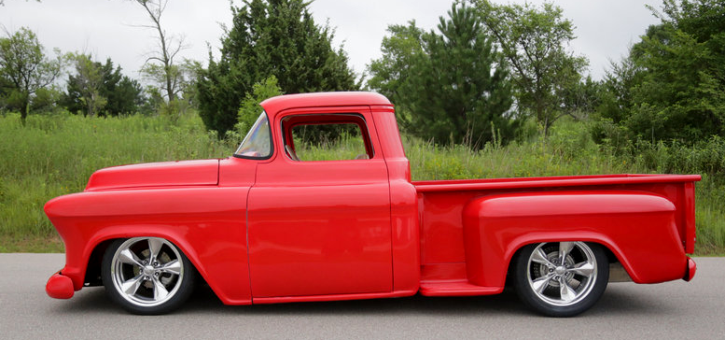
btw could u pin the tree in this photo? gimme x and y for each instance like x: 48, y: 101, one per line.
x: 616, y: 95
x: 125, y: 95
x: 122, y: 94
x: 182, y: 82
x: 679, y: 91
x: 581, y: 98
x: 169, y: 47
x: 25, y: 68
x: 454, y: 84
x: 456, y: 88
x: 47, y: 100
x: 88, y: 81
x: 269, y: 38
x: 400, y: 50
x: 534, y: 42
x: 249, y: 109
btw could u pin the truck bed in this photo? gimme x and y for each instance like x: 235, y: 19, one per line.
x: 441, y: 204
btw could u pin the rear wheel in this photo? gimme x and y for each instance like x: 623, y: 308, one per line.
x: 147, y: 275
x: 561, y: 279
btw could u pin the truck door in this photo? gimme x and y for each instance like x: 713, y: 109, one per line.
x: 321, y: 227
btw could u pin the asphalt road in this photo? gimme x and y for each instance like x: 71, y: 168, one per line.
x: 673, y: 310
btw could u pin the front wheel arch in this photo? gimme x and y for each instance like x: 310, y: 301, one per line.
x: 153, y: 265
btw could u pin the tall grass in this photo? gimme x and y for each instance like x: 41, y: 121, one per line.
x: 570, y: 150
x: 51, y: 156
x: 55, y: 155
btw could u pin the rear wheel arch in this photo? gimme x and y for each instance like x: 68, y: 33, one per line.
x: 541, y: 278
x: 611, y: 257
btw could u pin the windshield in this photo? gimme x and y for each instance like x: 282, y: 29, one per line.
x: 258, y: 142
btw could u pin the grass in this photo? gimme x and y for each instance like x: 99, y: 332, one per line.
x: 51, y: 156
x: 570, y: 151
x: 54, y: 155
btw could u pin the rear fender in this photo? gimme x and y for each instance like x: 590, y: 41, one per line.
x: 640, y: 229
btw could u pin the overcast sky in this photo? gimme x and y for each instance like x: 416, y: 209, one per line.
x: 107, y: 28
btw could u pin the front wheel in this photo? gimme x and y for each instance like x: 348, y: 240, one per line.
x: 147, y: 275
x: 561, y: 279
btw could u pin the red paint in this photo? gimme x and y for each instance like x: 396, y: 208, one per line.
x: 59, y: 287
x: 278, y: 230
x: 691, y: 269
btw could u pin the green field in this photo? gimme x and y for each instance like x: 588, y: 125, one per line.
x: 54, y: 155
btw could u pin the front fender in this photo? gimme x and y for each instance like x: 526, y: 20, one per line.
x: 640, y: 229
x: 207, y: 223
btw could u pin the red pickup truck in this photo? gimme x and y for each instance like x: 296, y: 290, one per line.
x: 266, y: 226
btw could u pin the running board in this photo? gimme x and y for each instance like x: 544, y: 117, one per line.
x: 455, y: 288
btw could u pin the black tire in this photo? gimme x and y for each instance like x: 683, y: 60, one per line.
x: 158, y: 277
x: 551, y: 288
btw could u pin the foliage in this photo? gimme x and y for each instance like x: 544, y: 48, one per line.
x: 87, y: 81
x: 91, y: 79
x: 672, y: 84
x: 533, y: 40
x: 250, y: 109
x: 270, y: 38
x: 390, y: 73
x: 455, y: 88
x: 182, y: 78
x: 24, y: 69
x: 47, y: 100
x: 54, y: 155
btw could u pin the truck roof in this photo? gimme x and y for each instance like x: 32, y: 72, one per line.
x: 320, y: 99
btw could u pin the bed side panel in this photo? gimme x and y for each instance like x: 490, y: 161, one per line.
x: 639, y: 228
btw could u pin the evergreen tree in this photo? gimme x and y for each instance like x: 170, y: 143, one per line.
x: 456, y: 88
x: 122, y: 95
x: 681, y: 62
x: 269, y: 38
x: 672, y: 83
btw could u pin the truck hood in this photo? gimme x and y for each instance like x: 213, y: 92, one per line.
x: 199, y: 172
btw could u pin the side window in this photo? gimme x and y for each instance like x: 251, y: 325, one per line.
x: 326, y: 137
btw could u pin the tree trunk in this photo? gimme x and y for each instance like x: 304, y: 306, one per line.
x: 25, y: 110
x: 169, y: 90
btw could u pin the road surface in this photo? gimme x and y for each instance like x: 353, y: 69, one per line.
x: 673, y: 310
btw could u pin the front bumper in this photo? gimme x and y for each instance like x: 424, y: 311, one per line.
x: 59, y: 286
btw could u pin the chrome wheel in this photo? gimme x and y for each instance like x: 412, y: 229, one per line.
x: 561, y: 278
x: 147, y: 275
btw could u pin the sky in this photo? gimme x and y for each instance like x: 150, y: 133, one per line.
x: 109, y: 28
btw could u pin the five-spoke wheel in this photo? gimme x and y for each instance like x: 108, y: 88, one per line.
x: 561, y: 279
x: 147, y: 275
